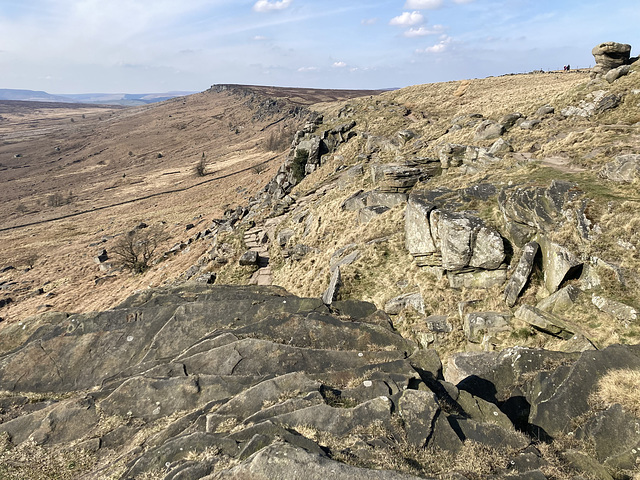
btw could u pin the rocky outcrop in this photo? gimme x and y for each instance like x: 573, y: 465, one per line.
x: 595, y: 102
x: 258, y: 383
x: 453, y: 155
x: 608, y: 56
x: 455, y: 241
x: 529, y: 211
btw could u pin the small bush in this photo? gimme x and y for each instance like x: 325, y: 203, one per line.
x: 259, y: 168
x: 136, y: 249
x: 201, y: 167
x: 298, y: 165
x: 58, y: 199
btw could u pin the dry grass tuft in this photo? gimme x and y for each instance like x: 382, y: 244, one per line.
x: 621, y: 386
x: 35, y: 462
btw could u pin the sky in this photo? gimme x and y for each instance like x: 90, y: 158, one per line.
x: 148, y: 46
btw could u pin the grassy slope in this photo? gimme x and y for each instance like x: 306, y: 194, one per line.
x: 386, y: 270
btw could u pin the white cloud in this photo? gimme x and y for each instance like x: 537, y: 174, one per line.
x: 308, y: 69
x: 407, y: 19
x: 268, y: 6
x: 259, y: 38
x: 462, y: 2
x: 439, y: 47
x: 424, y: 31
x: 339, y: 65
x: 423, y: 4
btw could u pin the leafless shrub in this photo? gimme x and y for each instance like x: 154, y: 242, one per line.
x: 259, y: 168
x: 201, y: 167
x: 136, y: 249
x: 58, y: 199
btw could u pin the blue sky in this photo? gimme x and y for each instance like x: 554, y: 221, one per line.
x: 136, y: 46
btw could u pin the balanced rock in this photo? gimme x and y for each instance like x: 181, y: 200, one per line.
x: 609, y: 55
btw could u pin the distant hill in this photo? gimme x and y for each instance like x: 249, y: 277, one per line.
x: 32, y: 96
x: 126, y: 99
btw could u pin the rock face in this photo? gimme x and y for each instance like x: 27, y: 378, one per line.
x: 453, y: 240
x: 608, y: 56
x: 270, y: 383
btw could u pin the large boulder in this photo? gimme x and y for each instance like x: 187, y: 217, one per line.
x: 453, y: 240
x: 609, y: 55
x: 561, y: 395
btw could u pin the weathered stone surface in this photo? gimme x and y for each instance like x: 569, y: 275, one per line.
x: 408, y: 300
x: 609, y: 55
x: 614, y: 74
x: 594, y: 103
x: 284, y: 236
x: 285, y: 462
x: 619, y: 310
x: 561, y: 301
x: 509, y: 120
x: 545, y: 110
x: 520, y: 275
x: 58, y: 423
x: 355, y: 202
x: 491, y: 434
x: 615, y: 435
x: 545, y: 321
x: 495, y: 376
x: 455, y: 155
x: 396, y: 177
x: 386, y: 199
x: 465, y: 240
x: 418, y: 410
x: 452, y: 155
x: 418, y: 238
x: 500, y: 147
x: 529, y: 124
x: 583, y: 463
x: 488, y: 130
x: 558, y: 396
x: 331, y: 293
x: 479, y: 279
x: 478, y: 324
x: 624, y: 169
x: 344, y: 261
x: 369, y: 213
x: 249, y: 257
x: 482, y: 411
x: 557, y: 263
x: 539, y: 207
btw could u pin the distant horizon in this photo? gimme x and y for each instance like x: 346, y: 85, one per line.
x: 136, y: 46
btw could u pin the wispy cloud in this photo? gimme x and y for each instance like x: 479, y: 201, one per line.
x: 407, y: 19
x: 268, y: 6
x: 308, y: 69
x: 424, y: 31
x: 339, y: 65
x: 369, y: 21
